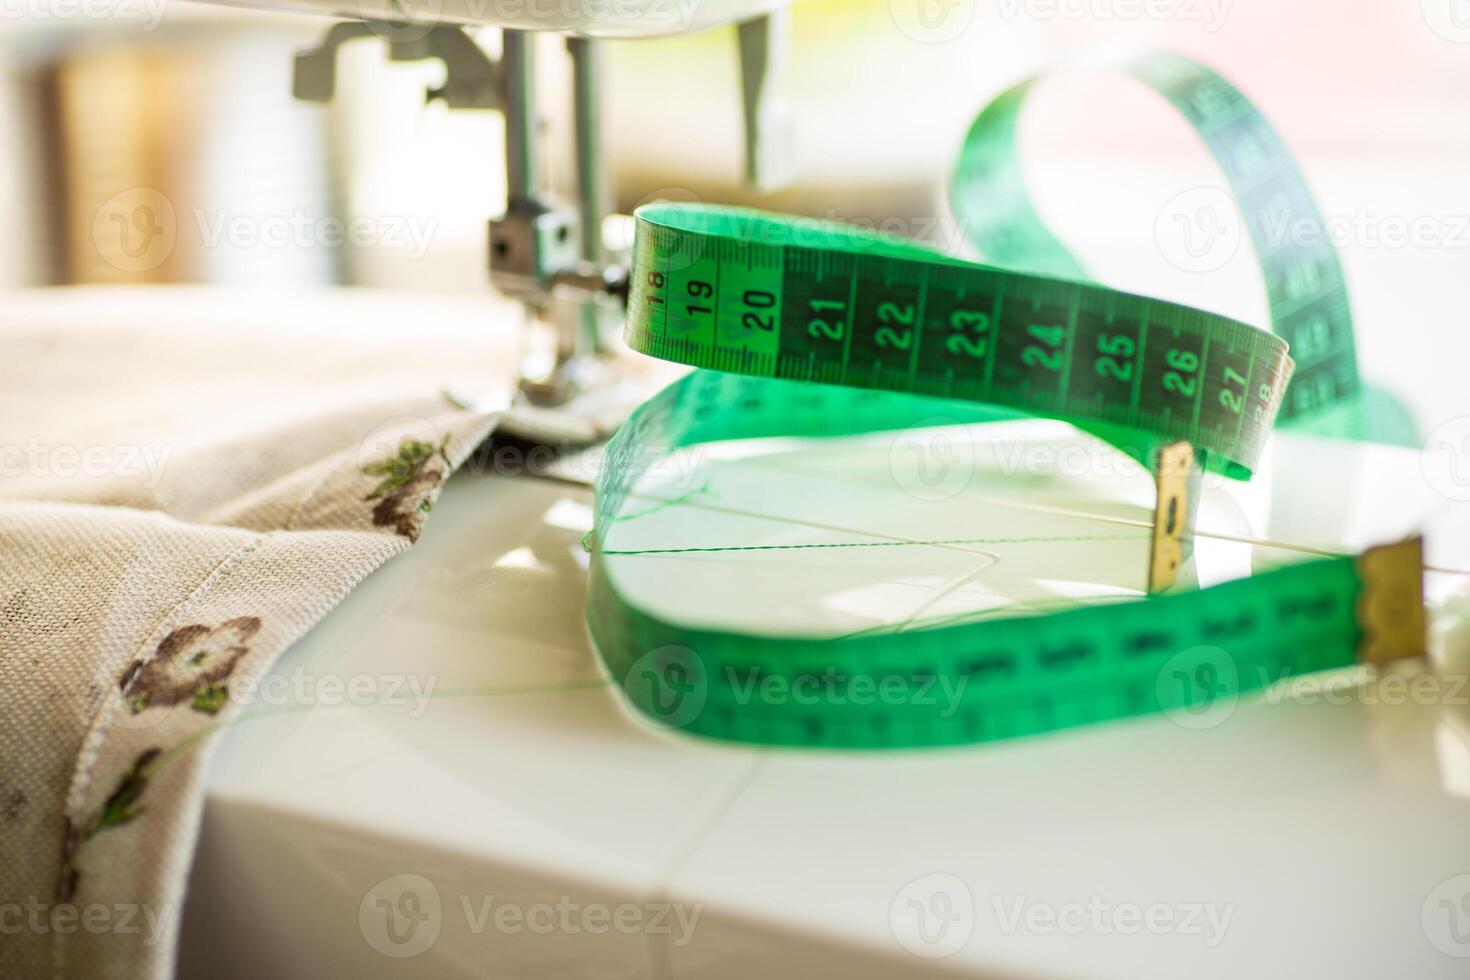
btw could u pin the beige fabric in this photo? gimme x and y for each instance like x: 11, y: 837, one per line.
x: 184, y: 491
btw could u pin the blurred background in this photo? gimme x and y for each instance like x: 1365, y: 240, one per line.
x: 186, y: 108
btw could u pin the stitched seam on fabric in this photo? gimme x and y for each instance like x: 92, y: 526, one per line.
x: 104, y: 712
x: 96, y: 733
x: 91, y: 750
x: 266, y: 661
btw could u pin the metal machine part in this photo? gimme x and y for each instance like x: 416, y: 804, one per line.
x: 540, y: 246
x: 538, y: 238
x: 769, y: 157
x: 470, y: 80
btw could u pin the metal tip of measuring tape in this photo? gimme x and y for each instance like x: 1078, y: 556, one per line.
x: 1171, y: 511
x: 1391, y: 603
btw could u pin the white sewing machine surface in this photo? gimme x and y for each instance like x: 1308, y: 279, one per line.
x: 501, y: 784
x: 596, y: 18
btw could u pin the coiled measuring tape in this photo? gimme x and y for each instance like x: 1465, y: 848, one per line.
x: 1304, y: 284
x: 895, y: 334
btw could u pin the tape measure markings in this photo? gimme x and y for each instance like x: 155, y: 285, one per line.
x: 793, y: 312
x: 885, y: 325
x: 1305, y: 288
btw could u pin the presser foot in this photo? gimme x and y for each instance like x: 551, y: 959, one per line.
x: 590, y: 396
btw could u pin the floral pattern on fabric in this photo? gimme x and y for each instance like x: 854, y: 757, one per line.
x: 120, y: 808
x: 191, y: 664
x: 408, y: 486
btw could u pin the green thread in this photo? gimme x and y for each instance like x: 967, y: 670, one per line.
x: 938, y: 542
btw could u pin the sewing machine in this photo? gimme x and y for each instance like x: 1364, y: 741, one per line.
x: 501, y: 773
x: 540, y: 247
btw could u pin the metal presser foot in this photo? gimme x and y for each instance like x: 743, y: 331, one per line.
x: 575, y: 383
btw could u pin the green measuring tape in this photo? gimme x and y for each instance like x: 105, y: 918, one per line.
x: 896, y: 335
x: 1304, y: 283
x: 739, y: 291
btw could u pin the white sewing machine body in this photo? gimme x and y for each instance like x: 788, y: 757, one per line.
x: 497, y: 808
x: 584, y: 18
